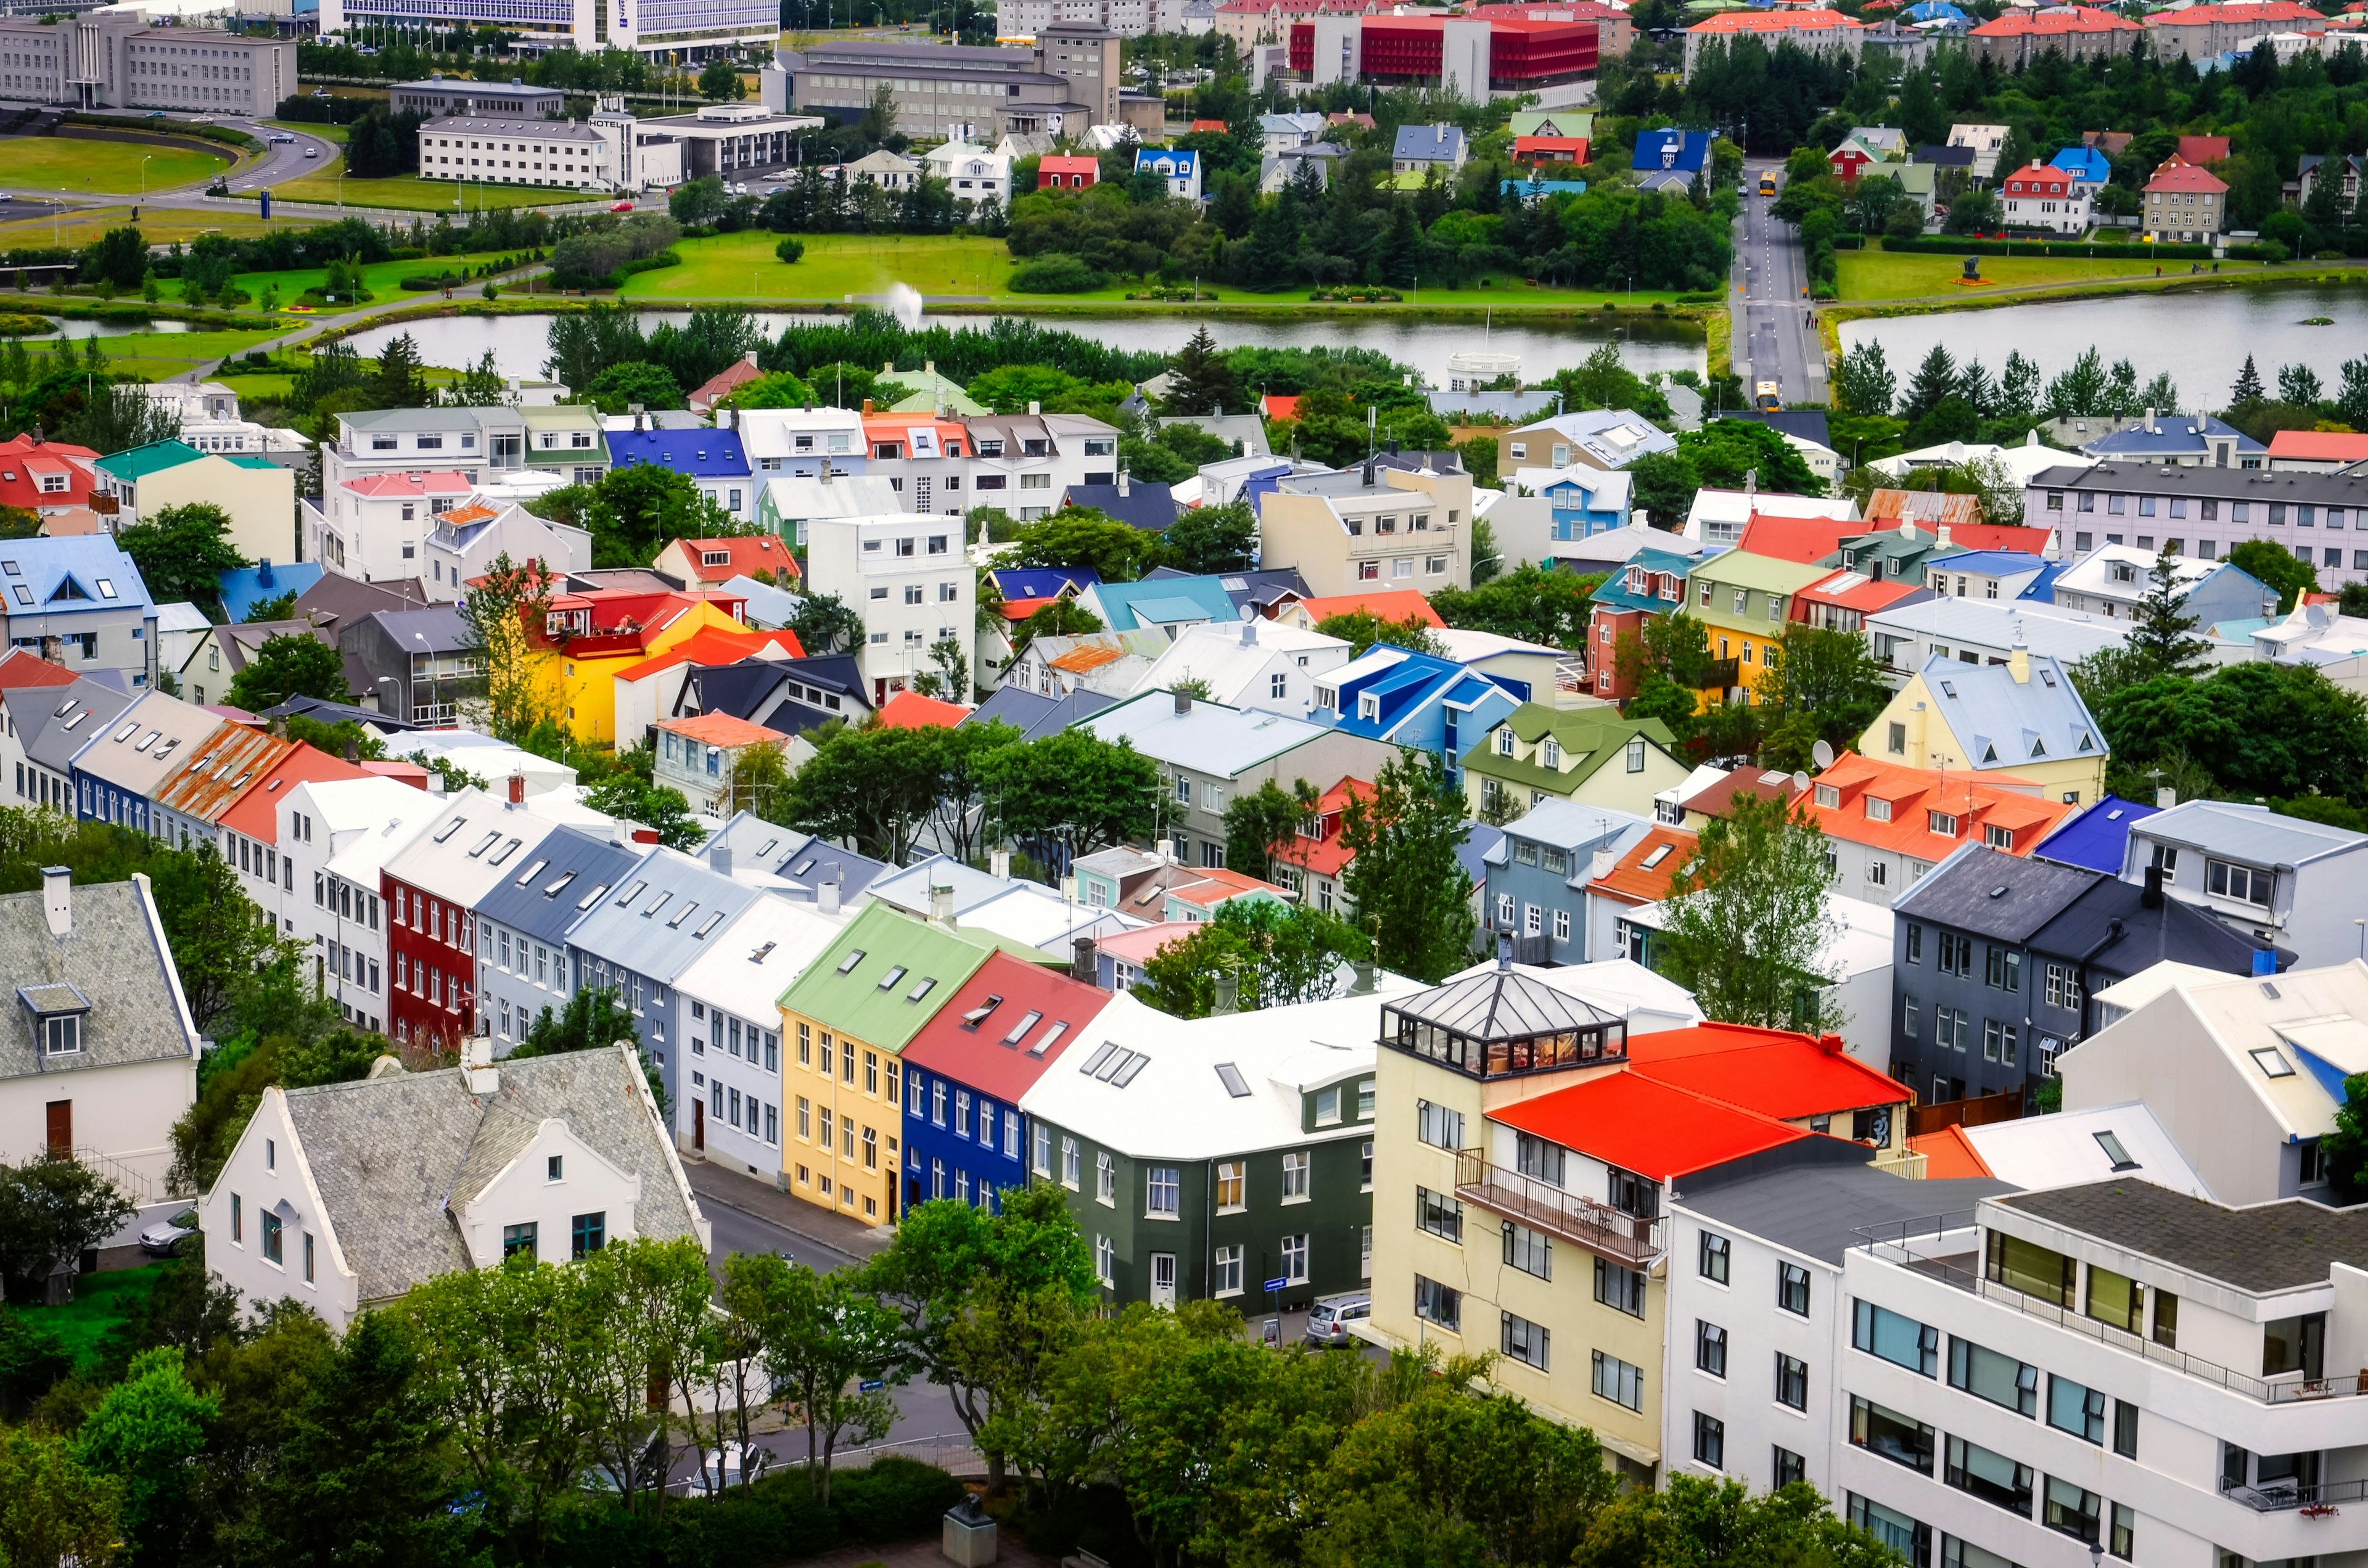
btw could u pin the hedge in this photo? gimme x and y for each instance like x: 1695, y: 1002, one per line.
x: 778, y: 1519
x: 222, y: 133
x: 2103, y: 250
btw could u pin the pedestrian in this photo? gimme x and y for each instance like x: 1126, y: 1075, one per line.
x: 2158, y: 272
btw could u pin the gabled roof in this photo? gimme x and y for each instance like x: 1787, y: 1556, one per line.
x: 1993, y: 894
x: 886, y: 976
x: 1388, y: 604
x: 233, y: 760
x: 113, y: 960
x: 1041, y: 582
x: 1128, y: 606
x: 61, y: 575
x: 149, y: 742
x: 1643, y: 875
x: 2054, y: 22
x: 1776, y: 1073
x: 2247, y: 833
x: 2002, y: 723
x: 719, y: 730
x: 2010, y: 804
x: 59, y: 722
x: 1036, y: 716
x: 1856, y: 590
x: 1006, y: 1024
x: 242, y: 587
x: 2175, y: 175
x: 671, y: 911
x: 1642, y: 1125
x: 1151, y: 507
x: 701, y: 454
x: 2097, y: 838
x: 136, y: 463
x: 440, y: 482
x: 2086, y: 163
x: 714, y: 645
x: 552, y: 888
x: 1207, y: 736
x: 21, y: 668
x: 744, y: 557
x: 473, y: 843
x: 911, y: 710
x: 256, y: 814
x: 2121, y: 933
x: 1437, y: 142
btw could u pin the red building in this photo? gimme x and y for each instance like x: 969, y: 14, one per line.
x: 1521, y: 52
x: 1057, y: 171
x: 431, y: 888
x: 43, y: 476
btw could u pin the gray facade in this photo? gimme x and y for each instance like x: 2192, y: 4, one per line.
x: 522, y: 926
x: 416, y: 662
x: 959, y: 93
x: 2206, y: 511
x: 1538, y: 877
x: 494, y: 100
x: 2269, y: 878
x: 116, y: 60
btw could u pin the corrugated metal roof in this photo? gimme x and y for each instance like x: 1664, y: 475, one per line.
x: 2247, y: 833
x: 215, y: 780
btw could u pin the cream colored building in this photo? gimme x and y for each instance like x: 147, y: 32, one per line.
x: 257, y: 494
x: 1371, y: 528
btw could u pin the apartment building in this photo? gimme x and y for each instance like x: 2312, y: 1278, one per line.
x: 675, y: 31
x: 958, y: 93
x: 2207, y: 508
x: 479, y: 444
x: 336, y: 836
x: 801, y: 442
x: 522, y: 926
x: 119, y: 771
x: 1025, y: 462
x: 256, y: 494
x: 1374, y: 527
x: 906, y: 575
x: 112, y: 60
x: 733, y: 1033
x: 432, y: 886
x: 514, y: 151
x: 250, y: 831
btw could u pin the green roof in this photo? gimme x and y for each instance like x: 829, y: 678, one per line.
x: 1592, y: 736
x: 1739, y: 569
x: 843, y: 989
x: 139, y: 463
x: 254, y: 463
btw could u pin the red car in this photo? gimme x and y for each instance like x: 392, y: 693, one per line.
x: 622, y: 206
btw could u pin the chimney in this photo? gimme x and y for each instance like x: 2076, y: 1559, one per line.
x: 1249, y: 629
x: 57, y: 899
x: 263, y: 572
x: 2265, y: 961
x: 353, y: 751
x: 1183, y: 702
x: 1751, y: 482
x: 2150, y: 422
x: 1363, y: 985
x: 998, y: 863
x: 1831, y: 1044
x: 942, y: 907
x: 2018, y: 664
x: 518, y: 788
x: 1035, y: 407
x: 1082, y: 967
x: 868, y: 410
x: 888, y: 368
x: 1122, y: 482
x: 719, y: 857
x: 1229, y: 997
x: 1599, y: 865
x: 2152, y: 897
x: 1942, y: 533
x: 477, y: 1057
x: 826, y: 898
x: 1504, y: 952
x: 1906, y: 525
x: 750, y: 360
x: 639, y: 834
x: 2165, y: 798
x: 1167, y: 852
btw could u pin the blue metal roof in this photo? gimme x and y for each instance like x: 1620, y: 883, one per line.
x: 1988, y: 563
x: 2172, y: 433
x: 1165, y: 598
x: 1041, y: 582
x: 556, y: 886
x: 2084, y: 163
x: 1430, y: 144
x: 1670, y: 149
x: 2096, y: 837
x: 243, y: 586
x: 1181, y: 163
x: 58, y: 576
x: 701, y: 454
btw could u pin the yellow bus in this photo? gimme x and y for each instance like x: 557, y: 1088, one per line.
x: 1768, y: 184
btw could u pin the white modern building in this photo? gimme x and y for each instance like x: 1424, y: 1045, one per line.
x: 690, y: 30
x: 335, y: 835
x: 558, y: 152
x: 1905, y: 637
x: 909, y: 579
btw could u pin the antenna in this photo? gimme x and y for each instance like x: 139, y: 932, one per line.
x: 1822, y: 754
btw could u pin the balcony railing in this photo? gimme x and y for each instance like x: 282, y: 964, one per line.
x: 2279, y: 1497
x: 1896, y: 1241
x: 1623, y: 1238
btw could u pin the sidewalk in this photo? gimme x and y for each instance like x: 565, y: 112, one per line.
x: 922, y: 1554
x: 717, y: 1184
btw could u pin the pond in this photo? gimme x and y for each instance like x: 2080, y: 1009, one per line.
x: 2200, y: 340
x: 86, y: 326
x: 520, y: 343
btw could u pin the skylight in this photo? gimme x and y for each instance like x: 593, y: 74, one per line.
x: 714, y: 918
x: 125, y: 733
x: 895, y: 973
x: 2112, y: 1144
x: 1231, y: 1076
x: 1133, y: 1064
x: 490, y: 840
x: 506, y: 851
x: 685, y: 913
x: 554, y: 890
x: 1049, y: 1039
x: 977, y: 1015
x: 2271, y: 1064
x: 666, y: 896
x: 1660, y: 853
x: 589, y: 899
x: 532, y: 868
x: 927, y: 984
x: 761, y: 953
x: 854, y: 957
x: 766, y: 847
x: 455, y: 826
x: 631, y: 893
x: 1098, y: 1057
x: 1028, y: 1020
x: 146, y: 741
x: 801, y: 867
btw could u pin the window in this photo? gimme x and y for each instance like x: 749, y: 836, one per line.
x: 1792, y: 1381
x: 2116, y: 1299
x: 1710, y: 1348
x: 2063, y: 986
x: 1900, y: 1438
x: 2076, y: 1408
x: 1909, y: 1537
x: 1294, y: 1259
x: 2029, y: 1267
x: 1713, y: 1256
x: 1069, y: 1164
x: 1441, y: 1304
x: 1618, y: 1381
x: 1793, y: 1288
x: 1990, y: 1476
x: 1105, y: 1261
x: 2126, y: 1429
x: 519, y: 1239
x: 2002, y: 969
x: 2071, y: 1509
x: 587, y: 1234
x: 1709, y: 1440
x: 1619, y: 1288
x: 1105, y: 1179
x: 1522, y: 1341
x: 1790, y: 1467
x: 1229, y: 1187
x: 1529, y: 1251
x: 1228, y: 1271
x: 2002, y: 1379
x: 2293, y: 1344
x: 1956, y: 955
x: 2243, y: 883
x: 1442, y: 1216
x: 1902, y: 1341
x: 1295, y: 1167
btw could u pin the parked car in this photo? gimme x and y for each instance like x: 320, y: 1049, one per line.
x: 1328, y: 1320
x: 164, y: 1236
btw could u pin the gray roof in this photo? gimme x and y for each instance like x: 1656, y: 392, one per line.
x: 2247, y: 832
x: 909, y: 888
x: 1502, y: 1004
x: 392, y: 1156
x: 1995, y: 894
x: 652, y: 937
x: 442, y: 625
x: 1566, y: 825
x: 2003, y: 722
x: 1818, y: 1210
x: 1249, y: 429
x: 524, y: 129
x: 799, y: 858
x: 1436, y: 144
x: 548, y: 895
x: 1033, y: 715
x: 55, y: 723
x: 1208, y: 736
x: 430, y: 418
x: 112, y: 960
x: 2261, y: 1247
x: 2223, y: 483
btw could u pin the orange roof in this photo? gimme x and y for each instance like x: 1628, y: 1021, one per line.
x: 1575, y: 145
x: 472, y: 512
x: 2203, y: 149
x: 1281, y: 407
x: 1911, y: 795
x: 1325, y: 855
x: 2176, y: 175
x: 22, y: 666
x: 1093, y: 656
x: 1217, y: 885
x: 1208, y: 125
x: 1773, y: 22
x: 1021, y: 609
x: 1388, y: 604
x: 712, y: 645
x: 2054, y: 23
x: 256, y: 814
x: 749, y: 555
x: 952, y: 434
x: 410, y: 773
x: 2323, y: 445
x: 1856, y: 590
x: 1775, y: 1072
x: 911, y: 710
x: 1632, y: 882
x: 720, y: 729
x: 1642, y: 1125
x: 1948, y: 1152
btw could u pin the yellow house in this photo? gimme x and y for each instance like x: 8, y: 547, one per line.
x: 2021, y: 717
x: 589, y: 637
x: 1589, y: 755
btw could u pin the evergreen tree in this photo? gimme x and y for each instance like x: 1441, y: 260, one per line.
x: 1402, y: 248
x: 1866, y: 384
x: 2248, y: 385
x: 2352, y: 393
x: 1199, y: 379
x: 2299, y: 385
x: 2018, y: 394
x: 400, y: 383
x: 2160, y: 636
x: 1935, y: 379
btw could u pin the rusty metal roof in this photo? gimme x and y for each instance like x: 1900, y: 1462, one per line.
x: 234, y: 758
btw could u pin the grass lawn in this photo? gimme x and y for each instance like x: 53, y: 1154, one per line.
x: 379, y: 277
x: 409, y: 193
x: 1879, y: 275
x: 101, y: 1300
x: 158, y: 225
x: 157, y: 355
x: 742, y: 267
x: 76, y: 167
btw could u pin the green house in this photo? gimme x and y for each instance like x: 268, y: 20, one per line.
x: 1591, y: 755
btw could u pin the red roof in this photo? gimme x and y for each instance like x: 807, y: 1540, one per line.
x: 1200, y: 125
x: 2245, y: 11
x: 1810, y: 539
x: 2203, y: 149
x: 1388, y: 604
x: 1855, y: 590
x: 1571, y: 147
x: 1021, y: 609
x: 1773, y: 22
x: 911, y: 710
x: 977, y: 1053
x: 441, y: 482
x: 1640, y: 1124
x: 1771, y: 1072
x: 2321, y: 446
x: 2038, y: 179
x: 2176, y: 175
x: 719, y: 730
x: 23, y: 461
x: 1214, y: 885
x: 2054, y: 22
x: 23, y: 668
x: 256, y: 814
x: 1143, y: 943
x: 712, y: 645
x: 1631, y: 882
x: 410, y: 773
x: 749, y: 556
x: 1325, y: 855
x: 738, y: 373
x: 1948, y: 1152
x: 1281, y: 407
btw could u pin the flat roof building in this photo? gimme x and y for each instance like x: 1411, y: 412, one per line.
x: 440, y: 96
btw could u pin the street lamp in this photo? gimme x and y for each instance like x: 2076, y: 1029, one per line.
x: 143, y: 176
x: 434, y: 686
x: 390, y: 680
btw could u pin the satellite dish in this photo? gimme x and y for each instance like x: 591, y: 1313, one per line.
x: 1800, y: 782
x: 1822, y: 754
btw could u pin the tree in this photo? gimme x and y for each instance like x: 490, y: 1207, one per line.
x: 698, y: 203
x: 761, y: 783
x: 1199, y: 379
x: 2248, y: 387
x: 2159, y: 636
x: 651, y: 805
x: 1825, y: 686
x: 636, y: 381
x: 1975, y: 212
x: 480, y: 386
x: 827, y: 624
x: 1259, y: 821
x: 1718, y: 1524
x: 591, y: 1020
x: 1865, y: 384
x: 288, y: 664
x: 1531, y: 603
x: 505, y: 612
x: 1071, y: 794
x: 145, y: 1433
x: 1745, y: 926
x: 56, y: 1511
x: 643, y: 1311
x: 2299, y: 385
x: 950, y: 680
x: 1081, y: 536
x: 1058, y: 618
x: 52, y: 1208
x: 636, y: 511
x: 721, y: 83
x: 2263, y: 731
x: 221, y: 941
x: 2344, y: 1152
x: 1661, y: 487
x: 182, y: 552
x: 870, y: 785
x: 1935, y: 380
x: 2276, y: 567
x: 1277, y: 954
x: 1361, y: 629
x: 2352, y: 392
x: 1213, y: 539
x: 824, y: 1335
x: 1406, y: 884
x: 279, y: 608
x: 400, y: 382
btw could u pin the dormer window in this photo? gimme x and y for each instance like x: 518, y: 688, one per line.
x: 1550, y: 754
x: 1504, y: 743
x: 1943, y: 822
x: 1828, y: 797
x: 57, y: 1009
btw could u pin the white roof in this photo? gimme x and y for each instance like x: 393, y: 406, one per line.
x: 181, y: 617
x: 2022, y: 464
x: 1175, y: 1104
x: 1604, y: 487
x: 490, y: 760
x: 1623, y: 987
x: 469, y: 844
x: 382, y: 813
x: 2067, y: 1149
x: 1857, y: 940
x: 806, y: 496
x: 2313, y: 634
x: 1467, y: 646
x: 1216, y: 653
x: 760, y: 956
x: 769, y: 432
x: 1736, y: 506
x: 2043, y: 628
x: 2093, y: 574
x: 1703, y: 775
x: 1040, y: 917
x: 2143, y: 987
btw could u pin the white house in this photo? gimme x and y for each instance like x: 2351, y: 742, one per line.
x: 734, y: 1029
x: 975, y: 175
x: 98, y: 1057
x: 2275, y: 878
x: 374, y: 526
x: 344, y: 1196
x: 907, y: 576
x: 354, y: 824
x: 2038, y: 196
x: 1258, y: 664
x: 1180, y: 172
x: 465, y: 542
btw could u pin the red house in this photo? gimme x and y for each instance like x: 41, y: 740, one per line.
x: 1056, y: 171
x: 1550, y: 149
x: 43, y: 476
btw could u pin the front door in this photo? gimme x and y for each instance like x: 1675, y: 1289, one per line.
x: 1163, y: 1279
x: 61, y: 1126
x: 699, y: 1124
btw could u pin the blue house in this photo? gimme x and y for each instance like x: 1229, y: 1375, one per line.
x: 1584, y: 503
x: 1404, y: 699
x: 715, y: 460
x: 1179, y: 170
x: 2090, y: 168
x: 1681, y: 151
x: 242, y: 587
x: 1165, y: 603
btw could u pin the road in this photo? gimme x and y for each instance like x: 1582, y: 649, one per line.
x: 1774, y: 327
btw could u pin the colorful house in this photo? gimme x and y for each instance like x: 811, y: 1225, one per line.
x: 1589, y: 755
x: 2023, y: 719
x: 1652, y: 584
x: 588, y: 638
x: 1410, y: 700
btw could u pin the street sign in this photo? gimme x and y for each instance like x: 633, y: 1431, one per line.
x: 1274, y: 1285
x: 870, y: 1385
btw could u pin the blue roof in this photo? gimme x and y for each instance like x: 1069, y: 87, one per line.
x: 1933, y: 11
x: 2083, y: 162
x: 1401, y: 688
x: 2171, y: 433
x: 58, y: 576
x: 1670, y: 149
x: 2005, y: 723
x: 2042, y: 587
x: 701, y: 454
x: 2094, y: 838
x: 243, y: 587
x: 1615, y: 592
x: 1472, y: 853
x: 1530, y: 190
x: 1032, y: 715
x: 1988, y: 563
x: 1041, y: 582
x: 1183, y: 160
x: 1127, y: 606
x: 1432, y: 143
x: 543, y: 899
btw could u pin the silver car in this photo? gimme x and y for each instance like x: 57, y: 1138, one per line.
x: 1328, y: 1320
x: 164, y: 1237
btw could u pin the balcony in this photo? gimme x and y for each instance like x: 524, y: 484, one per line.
x: 1724, y: 675
x: 2281, y: 1496
x: 1623, y: 1238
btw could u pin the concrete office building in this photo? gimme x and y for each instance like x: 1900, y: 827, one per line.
x: 439, y: 96
x: 516, y: 152
x: 693, y: 30
x: 963, y: 94
x: 117, y: 61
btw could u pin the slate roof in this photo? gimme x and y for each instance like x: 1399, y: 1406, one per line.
x: 2096, y: 836
x: 557, y: 884
x: 115, y: 956
x: 1151, y: 507
x: 391, y: 1156
x: 2260, y: 1248
x: 1035, y: 716
x: 2111, y: 922
x: 1995, y: 894
x: 1818, y: 1210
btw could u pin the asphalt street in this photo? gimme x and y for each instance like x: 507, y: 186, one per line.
x: 1775, y: 331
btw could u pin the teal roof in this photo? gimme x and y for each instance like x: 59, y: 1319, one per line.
x: 139, y: 463
x: 253, y: 462
x: 1616, y: 593
x: 1127, y: 607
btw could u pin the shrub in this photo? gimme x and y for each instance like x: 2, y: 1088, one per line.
x: 1057, y: 274
x: 893, y: 1498
x: 790, y: 250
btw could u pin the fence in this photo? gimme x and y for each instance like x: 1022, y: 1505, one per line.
x: 2003, y: 1106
